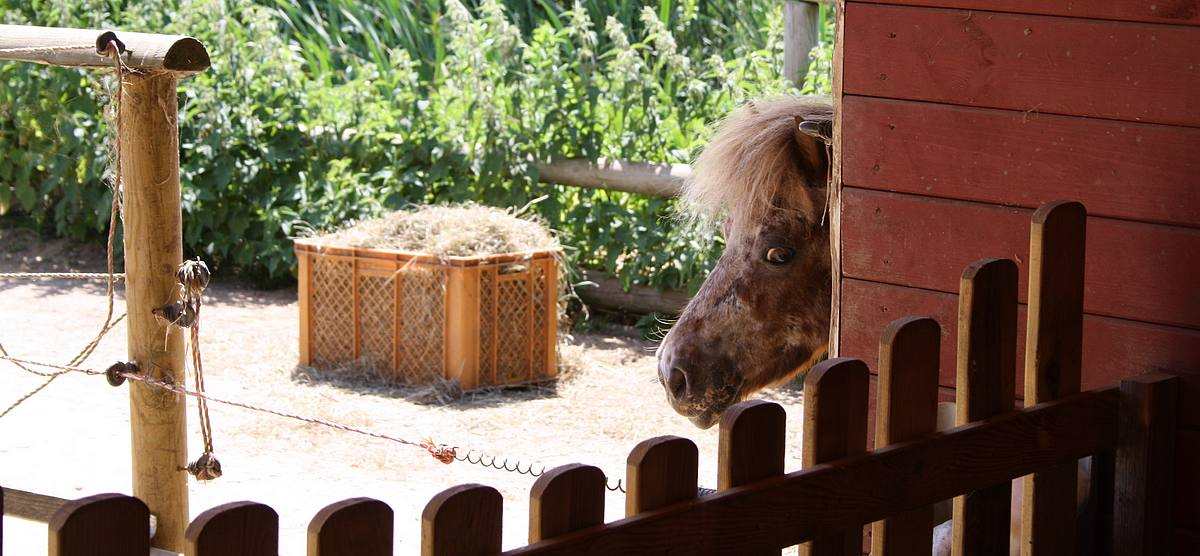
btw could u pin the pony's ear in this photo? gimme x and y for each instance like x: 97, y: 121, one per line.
x: 812, y: 134
x: 817, y: 126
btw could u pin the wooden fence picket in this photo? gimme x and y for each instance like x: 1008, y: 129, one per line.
x: 100, y: 525
x: 986, y: 377
x: 462, y: 521
x: 661, y: 471
x: 234, y: 529
x: 1053, y: 354
x: 835, y: 426
x: 906, y: 408
x: 752, y: 445
x: 565, y: 499
x: 1143, y: 509
x: 354, y: 527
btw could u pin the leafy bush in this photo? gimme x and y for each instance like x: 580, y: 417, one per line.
x: 317, y: 112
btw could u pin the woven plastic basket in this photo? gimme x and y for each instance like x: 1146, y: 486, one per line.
x: 483, y: 321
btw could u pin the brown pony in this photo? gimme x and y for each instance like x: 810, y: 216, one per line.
x: 762, y: 316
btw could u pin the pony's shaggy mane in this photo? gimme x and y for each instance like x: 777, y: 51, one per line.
x: 751, y: 156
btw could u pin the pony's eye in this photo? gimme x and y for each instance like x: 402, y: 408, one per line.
x: 779, y: 255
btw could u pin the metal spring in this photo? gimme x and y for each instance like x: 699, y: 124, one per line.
x: 483, y: 459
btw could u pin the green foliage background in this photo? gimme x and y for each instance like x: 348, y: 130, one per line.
x: 316, y: 112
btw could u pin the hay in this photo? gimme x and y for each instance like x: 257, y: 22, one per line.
x: 447, y: 231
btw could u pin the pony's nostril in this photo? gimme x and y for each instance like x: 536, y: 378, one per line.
x: 677, y: 383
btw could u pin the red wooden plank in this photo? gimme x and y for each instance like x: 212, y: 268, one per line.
x: 1185, y: 12
x: 1124, y: 71
x: 1187, y: 479
x: 1112, y: 348
x: 1138, y: 271
x: 1144, y: 172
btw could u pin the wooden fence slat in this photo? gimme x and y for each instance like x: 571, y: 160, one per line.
x: 1145, y: 458
x: 565, y: 499
x: 835, y: 426
x: 986, y: 369
x: 234, y: 529
x: 462, y: 521
x: 354, y: 527
x: 660, y: 472
x: 907, y: 407
x: 1053, y: 352
x: 100, y: 525
x: 752, y: 443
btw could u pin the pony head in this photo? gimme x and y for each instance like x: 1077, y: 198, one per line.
x: 762, y: 315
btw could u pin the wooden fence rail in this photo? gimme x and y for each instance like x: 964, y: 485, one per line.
x: 841, y: 487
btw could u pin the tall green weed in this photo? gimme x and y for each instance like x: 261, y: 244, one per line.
x: 320, y: 112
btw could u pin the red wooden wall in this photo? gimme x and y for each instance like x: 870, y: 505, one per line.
x: 958, y: 117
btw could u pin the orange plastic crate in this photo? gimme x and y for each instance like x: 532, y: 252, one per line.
x: 483, y: 321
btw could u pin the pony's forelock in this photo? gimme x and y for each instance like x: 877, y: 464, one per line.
x: 750, y: 157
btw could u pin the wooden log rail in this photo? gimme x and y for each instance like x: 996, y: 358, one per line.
x: 643, y: 178
x: 84, y: 48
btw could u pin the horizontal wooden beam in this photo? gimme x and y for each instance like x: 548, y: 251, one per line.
x: 31, y: 505
x: 607, y: 293
x: 643, y: 178
x: 850, y: 492
x: 81, y: 48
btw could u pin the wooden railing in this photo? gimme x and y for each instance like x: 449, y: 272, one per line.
x: 759, y: 509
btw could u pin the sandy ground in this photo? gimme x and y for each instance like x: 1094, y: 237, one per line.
x: 72, y: 440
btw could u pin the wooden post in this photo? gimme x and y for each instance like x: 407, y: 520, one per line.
x: 354, y: 527
x: 800, y: 35
x: 1053, y: 355
x: 986, y: 376
x: 907, y: 408
x: 751, y: 449
x: 100, y: 525
x: 149, y: 158
x: 148, y: 136
x: 465, y: 519
x: 1145, y: 465
x: 659, y: 472
x: 835, y: 426
x: 236, y: 528
x: 565, y: 499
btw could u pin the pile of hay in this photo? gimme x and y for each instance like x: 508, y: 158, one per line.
x: 447, y: 231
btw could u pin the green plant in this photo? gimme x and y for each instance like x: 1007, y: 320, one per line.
x: 317, y: 112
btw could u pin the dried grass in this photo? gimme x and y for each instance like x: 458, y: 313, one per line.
x: 447, y: 230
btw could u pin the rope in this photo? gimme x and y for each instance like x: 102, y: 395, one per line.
x: 112, y: 50
x: 441, y: 452
x: 193, y: 277
x: 60, y: 276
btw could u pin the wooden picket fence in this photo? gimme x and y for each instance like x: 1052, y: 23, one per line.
x: 759, y: 509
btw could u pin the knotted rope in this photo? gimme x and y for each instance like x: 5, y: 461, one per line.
x: 112, y: 49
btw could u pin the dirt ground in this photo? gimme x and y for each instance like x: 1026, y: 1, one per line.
x: 72, y: 439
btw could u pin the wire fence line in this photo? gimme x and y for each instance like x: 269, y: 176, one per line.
x: 441, y: 452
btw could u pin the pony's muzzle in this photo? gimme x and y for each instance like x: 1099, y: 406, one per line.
x: 679, y: 382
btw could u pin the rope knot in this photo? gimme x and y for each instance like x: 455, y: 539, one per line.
x: 117, y: 371
x: 193, y: 276
x: 440, y: 452
x: 205, y: 468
